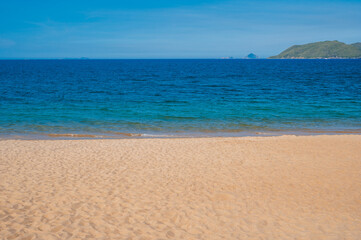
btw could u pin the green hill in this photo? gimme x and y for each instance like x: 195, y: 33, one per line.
x: 326, y: 49
x: 358, y: 45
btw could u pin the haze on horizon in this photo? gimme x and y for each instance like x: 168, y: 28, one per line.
x: 171, y: 29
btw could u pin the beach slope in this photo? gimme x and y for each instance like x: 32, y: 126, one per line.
x: 288, y: 187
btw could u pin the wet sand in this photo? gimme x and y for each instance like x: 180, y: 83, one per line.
x: 287, y: 187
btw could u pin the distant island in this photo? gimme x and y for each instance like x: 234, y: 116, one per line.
x: 251, y: 56
x: 318, y: 50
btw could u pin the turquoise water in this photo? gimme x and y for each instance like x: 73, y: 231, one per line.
x: 184, y: 97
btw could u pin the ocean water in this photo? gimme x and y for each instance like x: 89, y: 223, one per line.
x: 178, y: 97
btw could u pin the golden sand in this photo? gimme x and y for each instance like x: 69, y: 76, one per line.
x: 305, y: 187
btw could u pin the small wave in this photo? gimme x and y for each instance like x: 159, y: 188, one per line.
x: 71, y: 135
x: 127, y: 134
x: 158, y: 135
x: 333, y: 131
x: 174, y: 101
x: 177, y: 118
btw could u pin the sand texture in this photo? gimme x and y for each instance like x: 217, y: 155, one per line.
x: 288, y: 187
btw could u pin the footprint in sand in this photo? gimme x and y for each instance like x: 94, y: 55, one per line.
x: 170, y: 234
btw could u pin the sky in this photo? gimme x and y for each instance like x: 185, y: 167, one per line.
x: 170, y: 29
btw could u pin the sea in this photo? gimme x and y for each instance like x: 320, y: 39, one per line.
x: 178, y: 97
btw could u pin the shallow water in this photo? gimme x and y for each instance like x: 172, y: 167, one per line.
x: 178, y: 97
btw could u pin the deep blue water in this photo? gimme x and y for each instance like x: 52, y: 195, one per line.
x: 178, y: 96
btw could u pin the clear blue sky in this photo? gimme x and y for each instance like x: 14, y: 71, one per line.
x: 170, y: 29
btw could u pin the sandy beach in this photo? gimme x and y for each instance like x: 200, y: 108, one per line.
x: 287, y: 187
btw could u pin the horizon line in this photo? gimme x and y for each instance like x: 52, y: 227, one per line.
x: 85, y: 58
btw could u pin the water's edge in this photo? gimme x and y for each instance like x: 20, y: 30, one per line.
x: 124, y: 135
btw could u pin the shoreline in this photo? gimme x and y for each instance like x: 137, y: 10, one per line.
x: 156, y: 135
